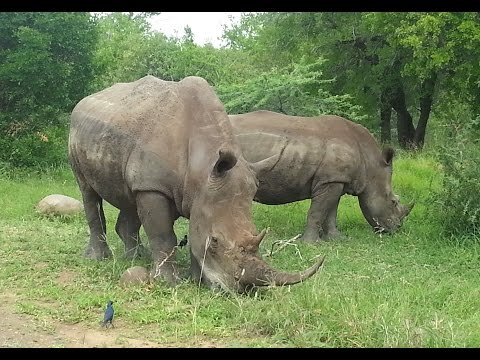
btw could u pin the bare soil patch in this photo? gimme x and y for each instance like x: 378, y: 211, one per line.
x: 26, y: 331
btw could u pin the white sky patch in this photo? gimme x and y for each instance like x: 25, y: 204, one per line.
x: 206, y: 26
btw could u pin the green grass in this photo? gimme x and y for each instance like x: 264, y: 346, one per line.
x: 411, y: 289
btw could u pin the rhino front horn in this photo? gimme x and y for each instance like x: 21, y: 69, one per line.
x: 260, y: 274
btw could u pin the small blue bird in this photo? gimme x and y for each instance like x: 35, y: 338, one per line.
x: 108, y: 317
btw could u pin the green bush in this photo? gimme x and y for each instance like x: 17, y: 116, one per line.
x: 45, y: 69
x: 45, y: 148
x: 459, y: 202
x: 297, y: 89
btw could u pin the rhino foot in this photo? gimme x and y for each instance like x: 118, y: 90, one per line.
x: 166, y: 272
x: 334, y: 235
x: 311, y: 239
x: 97, y: 253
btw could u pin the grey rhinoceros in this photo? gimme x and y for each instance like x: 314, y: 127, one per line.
x: 320, y: 158
x: 158, y: 150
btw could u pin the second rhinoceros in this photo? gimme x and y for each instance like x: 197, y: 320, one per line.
x: 320, y: 158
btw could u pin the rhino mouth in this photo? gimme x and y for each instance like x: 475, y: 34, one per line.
x: 389, y: 226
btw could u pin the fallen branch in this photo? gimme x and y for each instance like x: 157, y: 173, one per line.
x: 282, y: 244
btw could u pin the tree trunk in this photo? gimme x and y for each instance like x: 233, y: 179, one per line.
x: 385, y: 117
x: 405, y: 128
x: 390, y: 79
x: 426, y: 100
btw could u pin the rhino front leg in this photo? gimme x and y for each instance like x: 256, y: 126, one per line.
x: 323, y: 207
x: 97, y: 248
x: 127, y: 227
x: 157, y: 215
x: 329, y: 226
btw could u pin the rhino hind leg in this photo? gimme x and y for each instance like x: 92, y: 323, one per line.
x: 127, y: 227
x: 323, y: 212
x: 97, y: 248
x: 157, y: 215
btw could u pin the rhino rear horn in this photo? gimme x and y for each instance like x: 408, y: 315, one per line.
x: 258, y: 238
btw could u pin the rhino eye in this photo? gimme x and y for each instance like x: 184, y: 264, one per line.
x: 212, y: 245
x: 213, y: 242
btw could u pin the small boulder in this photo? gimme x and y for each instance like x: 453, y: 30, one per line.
x: 59, y: 205
x: 135, y: 275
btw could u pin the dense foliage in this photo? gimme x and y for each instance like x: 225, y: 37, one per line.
x: 400, y: 63
x: 410, y: 77
x: 45, y: 68
x: 297, y: 89
x: 458, y: 204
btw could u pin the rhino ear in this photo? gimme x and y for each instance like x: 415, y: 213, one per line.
x: 226, y: 161
x: 387, y: 155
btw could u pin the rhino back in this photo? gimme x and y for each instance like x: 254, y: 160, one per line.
x: 317, y: 150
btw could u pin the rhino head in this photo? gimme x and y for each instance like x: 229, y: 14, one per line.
x: 380, y: 206
x: 223, y: 241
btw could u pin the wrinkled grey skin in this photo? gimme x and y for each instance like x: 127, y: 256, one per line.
x: 319, y: 158
x: 158, y: 150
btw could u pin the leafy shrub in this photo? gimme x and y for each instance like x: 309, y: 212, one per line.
x: 459, y: 202
x: 298, y: 89
x: 45, y: 69
x: 44, y: 148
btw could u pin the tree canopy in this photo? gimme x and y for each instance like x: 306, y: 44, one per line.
x: 403, y: 62
x: 389, y: 71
